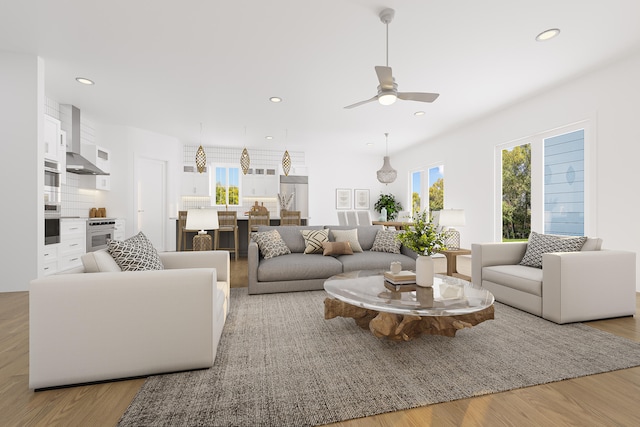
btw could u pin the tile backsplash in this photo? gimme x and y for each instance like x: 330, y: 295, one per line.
x: 76, y: 201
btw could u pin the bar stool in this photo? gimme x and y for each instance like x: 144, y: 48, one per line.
x: 227, y: 222
x: 182, y: 230
x: 257, y: 219
x: 289, y: 217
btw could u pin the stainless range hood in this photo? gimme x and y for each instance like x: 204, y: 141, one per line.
x: 75, y: 162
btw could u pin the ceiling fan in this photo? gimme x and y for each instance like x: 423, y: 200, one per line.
x: 388, y: 88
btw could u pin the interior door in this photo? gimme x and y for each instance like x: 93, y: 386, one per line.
x: 150, y: 200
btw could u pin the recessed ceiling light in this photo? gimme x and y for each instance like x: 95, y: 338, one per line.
x: 275, y: 99
x: 419, y: 113
x: 369, y: 144
x: 84, y: 81
x: 269, y: 137
x: 547, y: 34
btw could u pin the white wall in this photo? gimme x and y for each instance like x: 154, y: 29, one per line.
x: 21, y: 125
x: 127, y: 145
x: 608, y: 96
x: 328, y: 172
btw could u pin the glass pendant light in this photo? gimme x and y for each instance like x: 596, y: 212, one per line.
x: 387, y: 174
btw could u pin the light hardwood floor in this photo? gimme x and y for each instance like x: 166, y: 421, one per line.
x: 606, y: 399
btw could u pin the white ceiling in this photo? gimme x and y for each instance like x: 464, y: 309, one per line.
x: 167, y: 65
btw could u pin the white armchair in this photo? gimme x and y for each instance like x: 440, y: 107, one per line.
x: 571, y: 286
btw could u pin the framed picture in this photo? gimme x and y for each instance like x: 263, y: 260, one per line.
x: 343, y: 198
x: 361, y: 199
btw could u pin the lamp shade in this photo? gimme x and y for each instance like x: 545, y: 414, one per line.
x: 202, y: 219
x: 451, y: 218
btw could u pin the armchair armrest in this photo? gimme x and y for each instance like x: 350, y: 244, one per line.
x: 220, y: 260
x: 587, y: 285
x: 497, y: 253
x: 253, y: 255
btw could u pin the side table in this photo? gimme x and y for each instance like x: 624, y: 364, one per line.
x: 452, y: 261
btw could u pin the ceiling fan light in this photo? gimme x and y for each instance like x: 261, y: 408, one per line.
x: 387, y: 98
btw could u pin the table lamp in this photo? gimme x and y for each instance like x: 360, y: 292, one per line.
x: 449, y: 218
x: 202, y: 219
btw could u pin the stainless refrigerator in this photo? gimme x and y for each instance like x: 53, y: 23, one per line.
x: 299, y: 187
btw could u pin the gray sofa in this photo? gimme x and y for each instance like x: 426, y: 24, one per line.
x: 304, y: 272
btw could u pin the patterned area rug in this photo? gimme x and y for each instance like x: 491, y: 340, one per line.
x: 281, y: 364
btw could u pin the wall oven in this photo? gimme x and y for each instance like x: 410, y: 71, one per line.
x: 99, y: 230
x: 51, y: 223
x: 52, y: 182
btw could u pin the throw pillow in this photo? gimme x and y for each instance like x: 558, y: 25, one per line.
x: 99, y: 262
x: 135, y: 254
x: 336, y: 248
x: 546, y: 243
x: 387, y: 241
x: 313, y: 240
x: 270, y: 244
x: 350, y: 236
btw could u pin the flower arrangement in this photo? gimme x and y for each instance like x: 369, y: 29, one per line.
x: 423, y: 237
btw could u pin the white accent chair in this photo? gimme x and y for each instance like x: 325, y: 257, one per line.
x: 352, y: 218
x: 86, y: 327
x: 342, y: 218
x: 571, y: 287
x: 364, y: 218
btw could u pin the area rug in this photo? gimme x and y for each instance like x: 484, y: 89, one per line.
x: 280, y: 363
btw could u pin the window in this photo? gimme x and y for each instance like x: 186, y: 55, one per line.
x: 544, y: 184
x: 433, y: 182
x: 227, y: 186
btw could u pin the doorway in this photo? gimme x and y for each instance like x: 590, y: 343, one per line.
x: 150, y: 200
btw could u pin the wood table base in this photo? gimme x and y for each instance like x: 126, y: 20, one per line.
x: 400, y: 327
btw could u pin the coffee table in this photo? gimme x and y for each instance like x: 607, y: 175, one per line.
x: 450, y: 305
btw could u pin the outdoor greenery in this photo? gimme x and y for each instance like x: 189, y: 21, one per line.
x: 436, y: 195
x: 221, y: 195
x: 415, y: 202
x: 516, y: 192
x: 389, y: 202
x: 423, y: 237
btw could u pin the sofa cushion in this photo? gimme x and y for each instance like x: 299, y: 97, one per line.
x: 519, y: 277
x: 99, y: 261
x: 366, y: 234
x: 592, y: 244
x: 545, y: 243
x: 387, y: 241
x: 336, y: 248
x: 135, y: 253
x: 291, y: 235
x: 350, y: 236
x: 369, y: 260
x: 298, y: 266
x: 270, y: 244
x: 313, y: 240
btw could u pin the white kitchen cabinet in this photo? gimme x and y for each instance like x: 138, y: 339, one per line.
x: 195, y: 183
x: 50, y: 259
x: 263, y: 184
x: 73, y: 243
x: 54, y: 144
x: 101, y: 157
x: 118, y: 233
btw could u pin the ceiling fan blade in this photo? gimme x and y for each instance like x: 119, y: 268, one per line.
x: 384, y: 77
x: 418, y: 96
x: 357, y: 104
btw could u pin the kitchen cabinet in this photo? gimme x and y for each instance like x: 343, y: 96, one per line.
x: 51, y: 138
x: 119, y: 231
x: 263, y: 184
x: 101, y: 157
x: 73, y: 243
x: 195, y: 183
x: 50, y: 259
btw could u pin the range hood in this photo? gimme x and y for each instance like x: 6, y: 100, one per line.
x: 75, y: 162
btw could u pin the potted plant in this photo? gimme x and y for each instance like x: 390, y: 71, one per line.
x: 388, y: 202
x: 424, y: 239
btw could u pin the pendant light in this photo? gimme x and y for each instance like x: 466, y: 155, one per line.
x: 245, y: 161
x: 286, y: 158
x: 387, y: 174
x: 201, y: 156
